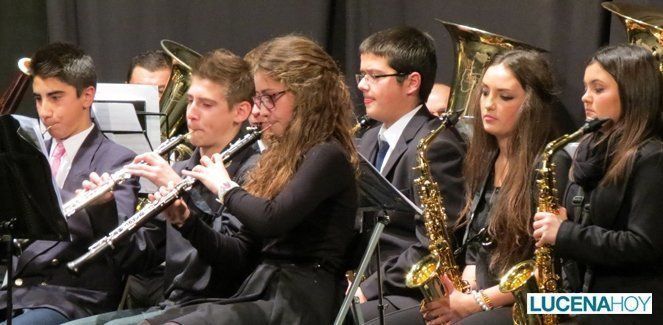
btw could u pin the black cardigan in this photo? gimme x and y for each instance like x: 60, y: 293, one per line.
x: 621, y: 243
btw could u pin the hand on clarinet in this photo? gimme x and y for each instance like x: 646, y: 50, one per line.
x: 546, y: 225
x: 178, y: 212
x: 153, y: 167
x: 211, y: 172
x: 93, y: 182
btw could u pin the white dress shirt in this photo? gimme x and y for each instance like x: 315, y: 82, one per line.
x: 393, y: 133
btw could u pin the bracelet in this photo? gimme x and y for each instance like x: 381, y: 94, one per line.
x: 486, y: 300
x: 479, y: 298
x: 224, y: 187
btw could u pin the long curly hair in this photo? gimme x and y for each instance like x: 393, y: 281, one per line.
x: 323, y: 109
x: 510, y: 218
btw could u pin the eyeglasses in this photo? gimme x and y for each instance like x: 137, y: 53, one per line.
x: 371, y: 78
x: 268, y: 101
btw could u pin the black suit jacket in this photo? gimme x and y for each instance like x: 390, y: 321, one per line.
x: 621, y: 241
x: 41, y: 276
x: 404, y: 240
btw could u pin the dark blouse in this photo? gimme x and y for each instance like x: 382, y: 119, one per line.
x: 479, y: 247
x: 310, y: 221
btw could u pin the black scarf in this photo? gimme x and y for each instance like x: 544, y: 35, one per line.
x: 591, y: 161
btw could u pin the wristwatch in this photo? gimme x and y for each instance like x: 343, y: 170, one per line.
x: 224, y: 187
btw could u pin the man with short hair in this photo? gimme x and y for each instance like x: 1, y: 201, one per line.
x: 45, y: 292
x: 150, y: 68
x: 220, y: 101
x: 397, y: 73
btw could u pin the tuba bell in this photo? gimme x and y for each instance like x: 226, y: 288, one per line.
x: 173, y: 102
x: 474, y: 50
x: 644, y: 26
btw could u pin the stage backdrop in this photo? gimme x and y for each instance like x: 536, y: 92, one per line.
x: 114, y: 31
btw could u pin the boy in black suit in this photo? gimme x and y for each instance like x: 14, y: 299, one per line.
x: 64, y: 87
x: 397, y: 73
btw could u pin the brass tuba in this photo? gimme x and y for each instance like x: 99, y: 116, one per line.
x: 644, y: 26
x: 474, y: 51
x: 173, y: 101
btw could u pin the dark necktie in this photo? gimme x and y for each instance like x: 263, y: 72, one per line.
x: 383, y: 147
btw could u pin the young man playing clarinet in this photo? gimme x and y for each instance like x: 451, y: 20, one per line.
x: 219, y: 105
x: 44, y: 292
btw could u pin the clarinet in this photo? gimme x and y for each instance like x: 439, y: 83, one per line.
x: 153, y: 208
x: 84, y: 199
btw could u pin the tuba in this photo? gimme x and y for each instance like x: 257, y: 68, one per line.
x: 644, y: 26
x: 12, y: 96
x: 538, y: 275
x: 173, y: 102
x: 474, y: 51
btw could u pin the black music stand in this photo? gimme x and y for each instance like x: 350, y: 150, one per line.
x: 375, y: 194
x: 31, y: 209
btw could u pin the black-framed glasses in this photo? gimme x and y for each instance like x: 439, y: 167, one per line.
x: 370, y: 78
x: 268, y: 101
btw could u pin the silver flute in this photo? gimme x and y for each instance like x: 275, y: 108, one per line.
x: 84, y: 199
x: 153, y: 208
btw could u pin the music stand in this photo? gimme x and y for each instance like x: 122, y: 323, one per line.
x: 28, y: 211
x: 145, y: 100
x: 375, y: 194
x: 129, y: 115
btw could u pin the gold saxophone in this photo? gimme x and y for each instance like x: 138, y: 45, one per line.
x: 539, y: 275
x: 426, y: 273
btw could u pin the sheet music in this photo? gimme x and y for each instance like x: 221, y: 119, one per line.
x: 117, y: 117
x: 129, y: 93
x: 374, y: 189
x: 31, y: 132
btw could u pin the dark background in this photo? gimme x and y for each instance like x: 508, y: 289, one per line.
x: 114, y: 31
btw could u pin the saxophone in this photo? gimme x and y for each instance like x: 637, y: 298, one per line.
x: 539, y: 275
x: 152, y: 209
x: 84, y: 199
x: 425, y: 273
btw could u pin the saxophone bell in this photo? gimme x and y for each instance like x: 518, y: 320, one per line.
x: 520, y: 281
x: 425, y: 276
